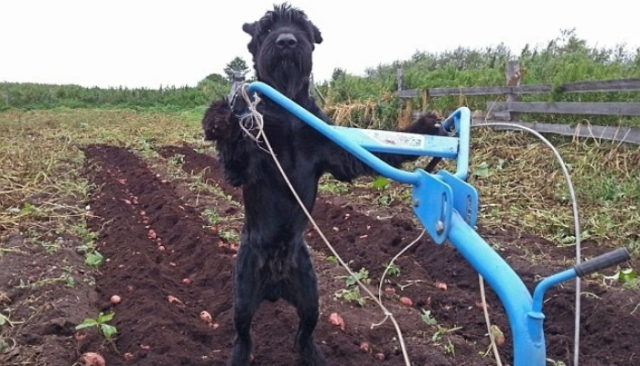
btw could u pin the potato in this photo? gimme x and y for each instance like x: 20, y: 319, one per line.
x: 92, y: 359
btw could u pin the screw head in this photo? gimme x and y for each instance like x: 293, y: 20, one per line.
x: 439, y: 227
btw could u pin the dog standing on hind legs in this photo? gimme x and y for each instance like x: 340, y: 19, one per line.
x: 273, y: 261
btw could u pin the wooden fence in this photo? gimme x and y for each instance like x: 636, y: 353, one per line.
x: 512, y: 107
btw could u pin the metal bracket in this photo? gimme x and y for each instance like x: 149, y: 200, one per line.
x: 432, y: 203
x: 465, y: 197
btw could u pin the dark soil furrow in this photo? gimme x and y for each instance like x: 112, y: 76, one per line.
x: 138, y: 216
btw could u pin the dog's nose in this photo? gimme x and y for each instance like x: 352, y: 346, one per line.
x: 286, y: 40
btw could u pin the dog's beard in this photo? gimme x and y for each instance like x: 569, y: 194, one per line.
x: 288, y: 72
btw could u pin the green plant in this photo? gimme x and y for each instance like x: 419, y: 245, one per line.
x: 50, y: 246
x: 176, y: 160
x: 482, y: 170
x: 352, y: 292
x: 628, y: 277
x: 440, y: 331
x: 4, y: 345
x: 211, y: 216
x: 333, y: 186
x: 229, y: 235
x: 380, y: 183
x: 450, y: 348
x: 427, y: 318
x: 351, y: 295
x: 392, y: 270
x: 362, y: 275
x: 555, y: 363
x: 5, y: 320
x: 100, y: 323
x: 94, y: 259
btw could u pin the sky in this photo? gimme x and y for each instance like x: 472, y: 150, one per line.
x: 140, y: 43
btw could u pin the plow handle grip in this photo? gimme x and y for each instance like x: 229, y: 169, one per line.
x: 602, y: 261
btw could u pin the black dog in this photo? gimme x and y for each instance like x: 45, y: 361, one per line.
x: 273, y: 260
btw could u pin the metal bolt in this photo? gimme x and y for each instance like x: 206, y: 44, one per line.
x: 415, y: 202
x: 439, y: 227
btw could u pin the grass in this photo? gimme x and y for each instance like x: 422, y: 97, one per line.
x: 44, y: 195
x: 522, y: 188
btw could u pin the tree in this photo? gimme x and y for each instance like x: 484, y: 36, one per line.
x: 237, y: 65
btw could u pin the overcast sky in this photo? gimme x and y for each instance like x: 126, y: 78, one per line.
x: 149, y: 43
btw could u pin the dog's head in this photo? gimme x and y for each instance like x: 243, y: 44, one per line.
x: 282, y: 42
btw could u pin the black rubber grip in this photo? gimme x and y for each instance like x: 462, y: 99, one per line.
x: 602, y: 261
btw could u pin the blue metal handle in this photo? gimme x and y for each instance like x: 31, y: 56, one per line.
x: 334, y: 135
x: 461, y: 121
x: 528, y: 339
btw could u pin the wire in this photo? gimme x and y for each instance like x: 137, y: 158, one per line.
x: 259, y: 124
x: 485, y: 311
x: 576, y: 222
x: 387, y: 269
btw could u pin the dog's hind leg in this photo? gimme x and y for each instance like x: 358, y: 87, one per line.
x: 302, y: 292
x: 246, y: 299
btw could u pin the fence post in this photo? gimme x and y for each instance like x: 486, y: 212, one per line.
x: 513, y: 76
x: 399, y: 75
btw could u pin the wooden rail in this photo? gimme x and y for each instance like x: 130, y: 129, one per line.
x: 586, y: 108
x: 629, y: 85
x: 477, y: 90
x: 611, y: 133
x: 602, y: 86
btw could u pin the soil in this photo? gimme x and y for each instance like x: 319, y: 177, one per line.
x: 154, y: 236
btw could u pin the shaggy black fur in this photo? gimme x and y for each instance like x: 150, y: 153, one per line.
x: 273, y: 260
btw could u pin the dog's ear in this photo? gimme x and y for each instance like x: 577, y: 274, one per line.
x: 250, y: 28
x: 317, y: 37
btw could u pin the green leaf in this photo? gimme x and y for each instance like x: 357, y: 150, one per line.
x: 331, y: 259
x: 94, y: 259
x: 108, y: 330
x: 3, y: 319
x: 3, y: 345
x: 27, y: 209
x: 70, y: 282
x: 482, y: 170
x: 427, y: 318
x: 87, y: 323
x: 362, y: 275
x: 105, y: 318
x: 628, y: 275
x: 82, y: 249
x: 380, y: 183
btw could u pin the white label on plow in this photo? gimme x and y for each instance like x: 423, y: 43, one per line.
x: 399, y: 139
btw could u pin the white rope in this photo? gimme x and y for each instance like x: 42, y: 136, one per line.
x: 258, y: 123
x: 387, y: 269
x: 576, y: 222
x: 485, y: 311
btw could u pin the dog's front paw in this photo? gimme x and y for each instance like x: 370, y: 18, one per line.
x: 427, y: 124
x: 218, y: 121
